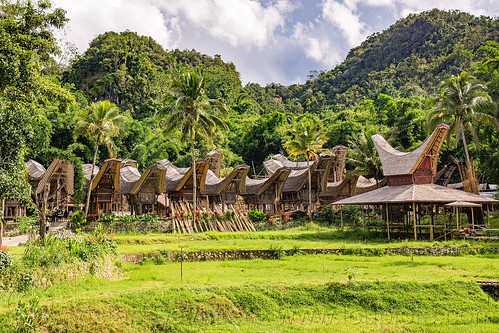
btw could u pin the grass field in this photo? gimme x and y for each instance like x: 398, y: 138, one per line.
x: 287, y: 239
x: 299, y: 293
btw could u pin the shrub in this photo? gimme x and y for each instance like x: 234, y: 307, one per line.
x: 351, y: 215
x: 5, y: 258
x: 78, y: 219
x: 256, y: 216
x: 29, y: 316
x: 56, y: 251
x: 26, y: 223
x: 276, y: 252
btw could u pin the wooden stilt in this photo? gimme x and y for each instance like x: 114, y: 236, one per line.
x: 414, y: 212
x: 341, y: 216
x: 445, y: 225
x: 387, y: 221
x: 488, y: 217
x: 431, y: 222
x: 472, y: 219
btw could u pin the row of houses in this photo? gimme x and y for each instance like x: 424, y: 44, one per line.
x: 165, y: 189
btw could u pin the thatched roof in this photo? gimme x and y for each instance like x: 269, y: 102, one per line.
x: 156, y: 172
x: 237, y: 178
x: 258, y: 186
x: 61, y: 169
x: 87, y: 168
x: 423, y: 193
x: 35, y: 169
x: 395, y: 162
x: 176, y: 177
x: 282, y: 161
x: 129, y: 175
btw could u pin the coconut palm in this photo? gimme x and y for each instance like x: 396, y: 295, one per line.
x: 307, y: 143
x: 100, y: 123
x: 461, y: 103
x: 364, y: 157
x: 188, y: 109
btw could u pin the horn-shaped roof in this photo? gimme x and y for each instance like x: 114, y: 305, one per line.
x: 395, y: 162
x: 258, y: 186
x: 61, y: 169
x: 176, y: 177
x: 156, y: 173
x: 216, y: 185
x: 35, y: 169
x: 110, y: 167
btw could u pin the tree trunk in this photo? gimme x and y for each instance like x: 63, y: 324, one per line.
x: 309, y: 191
x: 1, y: 219
x: 92, y: 176
x: 468, y: 162
x: 194, y: 180
x: 43, y: 213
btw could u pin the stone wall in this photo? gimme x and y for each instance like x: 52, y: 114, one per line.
x: 175, y: 256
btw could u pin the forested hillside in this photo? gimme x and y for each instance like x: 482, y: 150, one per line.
x: 383, y: 86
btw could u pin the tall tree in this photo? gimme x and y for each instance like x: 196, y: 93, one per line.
x: 462, y: 102
x: 307, y: 143
x: 26, y: 45
x: 100, y: 123
x: 188, y: 109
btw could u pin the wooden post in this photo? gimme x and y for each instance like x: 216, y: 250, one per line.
x: 488, y: 217
x: 363, y: 220
x: 445, y: 226
x: 387, y: 221
x: 341, y: 216
x: 472, y: 219
x: 431, y: 223
x: 414, y: 212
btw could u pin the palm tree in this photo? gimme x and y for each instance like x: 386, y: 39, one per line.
x: 364, y: 157
x: 188, y: 109
x: 101, y: 122
x: 462, y: 101
x: 307, y: 143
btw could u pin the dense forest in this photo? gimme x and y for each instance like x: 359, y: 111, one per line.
x: 386, y: 85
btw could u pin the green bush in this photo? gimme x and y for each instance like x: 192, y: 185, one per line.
x: 5, y: 259
x: 29, y: 316
x: 78, y: 219
x: 56, y: 251
x: 26, y: 223
x: 276, y: 252
x: 256, y: 216
x: 351, y: 215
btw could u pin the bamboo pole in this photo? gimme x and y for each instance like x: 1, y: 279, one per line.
x: 431, y: 222
x: 387, y: 221
x: 414, y: 212
x: 488, y: 217
x: 445, y: 226
x: 341, y: 216
x: 472, y: 219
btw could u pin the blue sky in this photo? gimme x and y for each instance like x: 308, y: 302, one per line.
x: 278, y: 41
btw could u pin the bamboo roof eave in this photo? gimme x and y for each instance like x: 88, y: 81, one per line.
x: 106, y: 168
x: 150, y: 173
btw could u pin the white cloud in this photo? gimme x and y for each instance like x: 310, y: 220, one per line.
x: 268, y: 40
x: 343, y: 17
x: 316, y: 45
x: 243, y: 23
x: 90, y: 18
